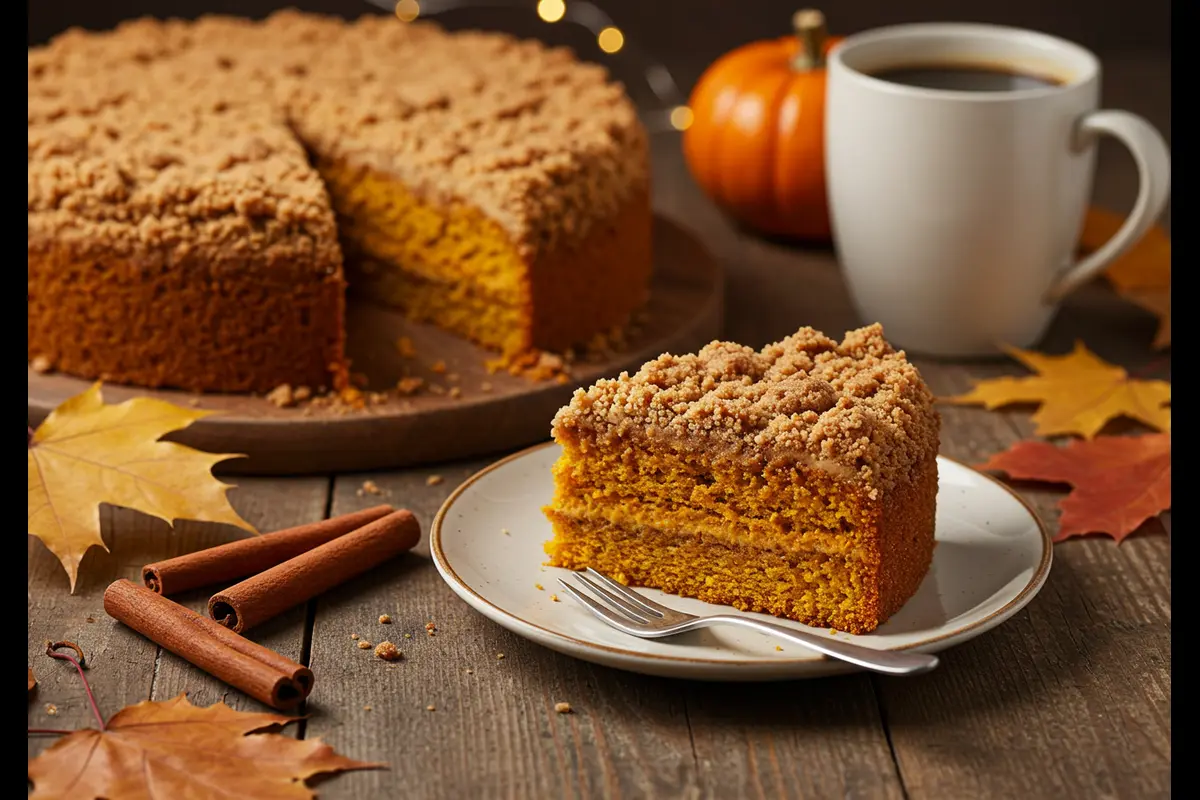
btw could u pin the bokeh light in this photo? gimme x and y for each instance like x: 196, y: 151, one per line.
x: 407, y: 10
x: 682, y: 118
x: 551, y: 10
x: 611, y: 39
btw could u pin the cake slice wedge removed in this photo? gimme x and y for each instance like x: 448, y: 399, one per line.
x: 799, y: 480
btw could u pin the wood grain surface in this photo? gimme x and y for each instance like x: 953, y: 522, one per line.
x: 1069, y: 699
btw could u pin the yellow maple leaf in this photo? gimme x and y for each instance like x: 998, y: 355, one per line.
x: 1078, y: 393
x: 86, y: 453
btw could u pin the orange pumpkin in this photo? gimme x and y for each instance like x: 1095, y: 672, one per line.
x: 756, y: 142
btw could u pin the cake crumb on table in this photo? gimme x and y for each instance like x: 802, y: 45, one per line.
x: 354, y: 636
x: 281, y: 396
x: 434, y: 480
x: 364, y: 645
x: 385, y: 619
x: 438, y: 366
x: 505, y: 531
x: 554, y: 598
x: 52, y: 709
x: 409, y: 386
x: 430, y: 707
x: 90, y: 619
x: 366, y: 708
x: 455, y: 393
x: 780, y: 649
x: 562, y: 708
x: 388, y: 652
x: 470, y: 671
x: 539, y: 587
x: 301, y: 393
x: 408, y: 636
x: 370, y: 487
x: 41, y: 365
x: 499, y: 656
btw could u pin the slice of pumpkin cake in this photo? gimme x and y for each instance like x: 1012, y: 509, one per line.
x: 799, y: 480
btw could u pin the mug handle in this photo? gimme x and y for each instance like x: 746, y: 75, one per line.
x: 1154, y: 184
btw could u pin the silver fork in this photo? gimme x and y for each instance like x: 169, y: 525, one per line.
x: 638, y: 616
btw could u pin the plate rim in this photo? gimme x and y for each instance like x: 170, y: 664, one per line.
x: 472, y: 597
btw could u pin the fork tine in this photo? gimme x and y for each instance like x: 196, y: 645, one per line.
x: 648, y: 606
x: 609, y: 616
x: 618, y: 601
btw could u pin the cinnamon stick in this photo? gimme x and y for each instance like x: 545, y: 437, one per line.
x: 258, y: 671
x: 293, y: 582
x: 229, y: 562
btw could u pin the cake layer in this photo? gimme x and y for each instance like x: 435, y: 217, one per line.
x: 779, y: 507
x: 883, y: 555
x: 819, y: 590
x: 456, y: 307
x: 456, y: 244
x: 454, y: 267
x: 198, y: 325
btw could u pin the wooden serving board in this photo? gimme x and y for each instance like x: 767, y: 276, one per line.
x: 684, y: 313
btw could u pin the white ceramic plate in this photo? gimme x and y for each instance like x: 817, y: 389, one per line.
x: 991, y: 558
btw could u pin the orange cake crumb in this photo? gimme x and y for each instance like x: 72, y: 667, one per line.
x: 409, y: 386
x: 388, y: 652
x: 798, y: 480
x: 562, y: 708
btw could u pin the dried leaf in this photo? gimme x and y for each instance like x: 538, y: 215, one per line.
x: 174, y: 749
x: 1119, y: 481
x: 1147, y: 265
x: 1143, y: 274
x: 87, y: 453
x: 1078, y: 393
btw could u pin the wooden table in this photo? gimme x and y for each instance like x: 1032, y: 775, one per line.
x: 1068, y: 699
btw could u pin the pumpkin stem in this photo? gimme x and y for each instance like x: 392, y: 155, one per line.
x: 809, y: 25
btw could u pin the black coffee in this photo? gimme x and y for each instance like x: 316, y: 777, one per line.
x: 966, y: 78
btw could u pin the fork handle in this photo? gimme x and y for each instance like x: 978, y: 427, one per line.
x: 889, y: 662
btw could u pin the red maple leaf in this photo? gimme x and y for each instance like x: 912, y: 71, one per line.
x: 1118, y: 482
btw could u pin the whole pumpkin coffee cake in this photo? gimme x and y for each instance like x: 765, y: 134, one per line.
x: 201, y: 193
x: 799, y: 480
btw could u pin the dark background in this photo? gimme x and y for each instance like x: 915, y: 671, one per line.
x: 688, y: 34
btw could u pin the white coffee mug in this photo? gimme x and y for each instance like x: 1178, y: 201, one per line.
x: 956, y: 213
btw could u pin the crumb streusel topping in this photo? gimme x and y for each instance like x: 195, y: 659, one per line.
x: 172, y: 135
x: 858, y: 404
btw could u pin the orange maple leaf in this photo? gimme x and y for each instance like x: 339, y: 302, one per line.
x: 1118, y: 482
x: 176, y: 749
x: 1143, y: 274
x: 86, y: 453
x: 1078, y: 393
